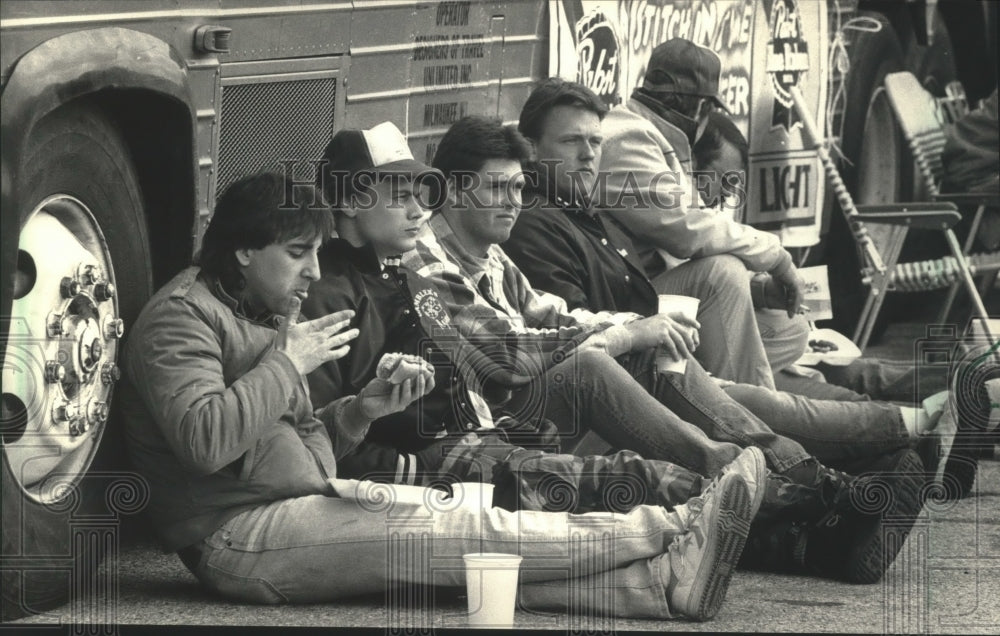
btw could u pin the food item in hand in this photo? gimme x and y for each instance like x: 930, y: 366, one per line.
x: 388, y: 364
x: 399, y: 367
x: 822, y: 346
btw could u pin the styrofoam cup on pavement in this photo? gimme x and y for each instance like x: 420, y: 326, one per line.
x: 668, y: 304
x: 491, y: 584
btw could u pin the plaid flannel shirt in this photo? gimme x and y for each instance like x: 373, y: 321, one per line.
x: 494, y: 306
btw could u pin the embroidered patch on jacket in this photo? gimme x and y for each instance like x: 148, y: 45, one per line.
x: 429, y: 306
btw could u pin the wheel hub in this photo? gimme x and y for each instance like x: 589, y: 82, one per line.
x: 59, y: 367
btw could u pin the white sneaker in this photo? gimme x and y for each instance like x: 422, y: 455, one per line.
x: 750, y: 465
x: 698, y: 565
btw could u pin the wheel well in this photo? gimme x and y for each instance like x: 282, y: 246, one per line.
x: 158, y: 132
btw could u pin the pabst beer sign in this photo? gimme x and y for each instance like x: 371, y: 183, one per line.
x: 597, y: 55
x: 787, y: 60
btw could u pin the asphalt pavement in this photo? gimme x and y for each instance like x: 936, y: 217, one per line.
x: 946, y: 580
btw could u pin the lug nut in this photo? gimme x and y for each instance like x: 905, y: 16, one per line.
x: 54, y: 372
x: 54, y: 325
x: 98, y: 412
x: 79, y: 426
x: 69, y: 287
x: 104, y: 291
x: 114, y: 328
x: 65, y: 412
x: 110, y: 373
x: 89, y: 274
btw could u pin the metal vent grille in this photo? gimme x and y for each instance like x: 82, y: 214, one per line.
x: 267, y: 123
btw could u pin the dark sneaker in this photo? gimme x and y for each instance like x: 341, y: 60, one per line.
x: 776, y: 547
x: 928, y: 447
x: 965, y: 417
x: 967, y: 412
x: 698, y: 565
x: 807, y: 492
x: 858, y: 540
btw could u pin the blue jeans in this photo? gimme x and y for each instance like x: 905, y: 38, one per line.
x: 691, y: 421
x: 731, y: 343
x: 591, y: 391
x: 785, y: 339
x: 833, y: 431
x: 687, y: 420
x: 319, y: 549
x: 889, y: 380
x: 697, y: 398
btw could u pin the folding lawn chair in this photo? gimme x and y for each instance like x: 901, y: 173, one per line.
x: 923, y: 126
x: 879, y: 262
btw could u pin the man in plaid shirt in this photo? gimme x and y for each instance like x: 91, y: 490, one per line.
x: 597, y: 370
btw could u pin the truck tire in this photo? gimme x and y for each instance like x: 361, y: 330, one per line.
x: 874, y: 146
x: 83, y: 265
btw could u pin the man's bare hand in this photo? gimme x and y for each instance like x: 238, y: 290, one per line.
x: 772, y: 292
x: 674, y: 332
x: 381, y: 397
x: 312, y: 343
x: 785, y: 291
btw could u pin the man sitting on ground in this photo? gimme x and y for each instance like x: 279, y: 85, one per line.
x: 450, y: 432
x: 219, y: 421
x: 584, y: 363
x: 584, y: 256
x: 646, y: 185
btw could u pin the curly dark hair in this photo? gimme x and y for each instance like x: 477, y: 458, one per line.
x: 257, y: 211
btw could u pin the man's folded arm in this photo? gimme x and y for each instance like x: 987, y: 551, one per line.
x: 656, y: 202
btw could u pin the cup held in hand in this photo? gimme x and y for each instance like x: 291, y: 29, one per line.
x: 668, y: 304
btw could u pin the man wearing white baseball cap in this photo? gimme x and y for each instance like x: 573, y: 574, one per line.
x: 372, y: 182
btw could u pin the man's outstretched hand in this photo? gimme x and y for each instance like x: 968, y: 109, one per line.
x: 314, y: 342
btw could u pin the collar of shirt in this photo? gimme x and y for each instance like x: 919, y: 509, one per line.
x: 240, y: 305
x: 492, y: 267
x: 549, y: 194
x: 363, y: 258
x: 474, y: 267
